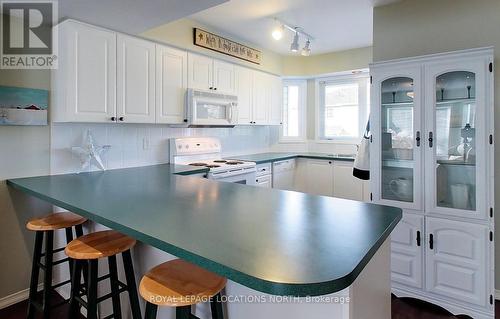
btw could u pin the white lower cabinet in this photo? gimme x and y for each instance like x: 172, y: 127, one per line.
x: 345, y: 185
x: 455, y: 257
x: 264, y: 181
x: 406, y: 251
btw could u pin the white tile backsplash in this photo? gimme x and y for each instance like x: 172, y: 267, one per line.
x: 143, y: 144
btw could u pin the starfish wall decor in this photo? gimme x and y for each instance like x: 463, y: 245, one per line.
x: 90, y: 153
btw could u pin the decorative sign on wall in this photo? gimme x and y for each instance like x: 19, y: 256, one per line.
x: 23, y: 106
x: 217, y: 43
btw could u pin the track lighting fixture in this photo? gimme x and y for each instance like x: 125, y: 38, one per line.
x: 278, y: 32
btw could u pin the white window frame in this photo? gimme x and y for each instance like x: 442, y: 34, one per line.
x: 362, y: 78
x: 302, y: 138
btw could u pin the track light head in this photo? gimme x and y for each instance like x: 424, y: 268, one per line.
x: 294, y: 47
x: 278, y: 32
x: 306, y: 51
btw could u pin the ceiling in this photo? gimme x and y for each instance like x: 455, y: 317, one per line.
x: 335, y: 24
x: 131, y: 16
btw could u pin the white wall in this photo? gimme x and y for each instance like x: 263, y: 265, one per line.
x: 127, y: 143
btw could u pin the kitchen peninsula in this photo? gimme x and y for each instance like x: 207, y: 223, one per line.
x: 265, y: 241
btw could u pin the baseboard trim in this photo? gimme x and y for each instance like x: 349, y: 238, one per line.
x: 16, y: 297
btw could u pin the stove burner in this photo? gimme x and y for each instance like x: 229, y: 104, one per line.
x: 198, y: 164
x: 234, y: 163
x: 212, y: 166
x: 220, y: 161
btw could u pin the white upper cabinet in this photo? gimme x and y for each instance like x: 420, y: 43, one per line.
x: 136, y: 80
x: 397, y: 136
x: 209, y: 74
x: 261, y: 99
x: 85, y: 83
x: 200, y: 72
x: 224, y: 77
x: 276, y: 107
x: 457, y: 147
x: 171, y: 85
x: 244, y: 89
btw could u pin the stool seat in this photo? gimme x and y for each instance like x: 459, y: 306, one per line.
x: 99, y: 245
x: 178, y: 283
x: 55, y: 221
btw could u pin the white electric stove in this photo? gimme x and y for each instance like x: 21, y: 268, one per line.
x: 206, y: 152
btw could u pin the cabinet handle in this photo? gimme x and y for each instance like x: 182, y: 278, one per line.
x: 329, y: 162
x: 113, y: 118
x: 257, y: 180
x: 418, y: 138
x: 431, y: 241
x: 211, y: 88
x: 418, y: 238
x: 215, y: 89
x: 121, y: 119
x: 431, y: 139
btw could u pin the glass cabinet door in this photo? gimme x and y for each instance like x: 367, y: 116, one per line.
x: 397, y: 139
x: 456, y: 141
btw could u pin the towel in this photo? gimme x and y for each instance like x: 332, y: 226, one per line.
x: 361, y: 167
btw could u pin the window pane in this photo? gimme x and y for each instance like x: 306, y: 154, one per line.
x: 291, y: 111
x: 341, y: 121
x: 336, y: 95
x: 341, y: 111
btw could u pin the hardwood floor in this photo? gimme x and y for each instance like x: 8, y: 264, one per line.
x: 402, y: 308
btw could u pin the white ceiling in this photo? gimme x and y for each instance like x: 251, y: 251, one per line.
x: 131, y: 16
x: 335, y: 24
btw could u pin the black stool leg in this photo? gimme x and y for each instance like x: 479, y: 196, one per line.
x: 79, y: 233
x: 47, y: 282
x: 216, y: 307
x: 69, y: 238
x: 151, y: 310
x: 74, y: 305
x: 183, y: 312
x: 35, y: 272
x: 92, y: 290
x: 113, y: 272
x: 131, y: 285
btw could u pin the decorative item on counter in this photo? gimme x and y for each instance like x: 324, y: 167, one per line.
x: 23, y: 106
x: 90, y: 153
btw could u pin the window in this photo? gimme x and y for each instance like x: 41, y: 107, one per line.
x: 294, y: 106
x: 343, y: 107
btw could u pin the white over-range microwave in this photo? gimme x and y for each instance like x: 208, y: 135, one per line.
x: 210, y: 109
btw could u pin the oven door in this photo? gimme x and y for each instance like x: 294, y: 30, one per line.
x: 246, y: 177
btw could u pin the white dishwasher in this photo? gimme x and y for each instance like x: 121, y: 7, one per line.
x: 284, y: 174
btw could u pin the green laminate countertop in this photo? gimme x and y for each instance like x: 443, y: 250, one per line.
x: 261, y: 158
x: 274, y: 241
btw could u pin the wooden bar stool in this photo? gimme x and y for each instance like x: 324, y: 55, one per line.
x: 179, y: 284
x: 46, y: 226
x: 89, y: 249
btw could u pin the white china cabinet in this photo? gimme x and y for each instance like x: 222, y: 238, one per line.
x: 432, y: 155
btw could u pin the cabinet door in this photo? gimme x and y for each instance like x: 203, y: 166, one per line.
x: 171, y: 85
x: 263, y: 181
x: 345, y: 185
x: 136, y: 80
x: 200, y: 72
x: 319, y: 178
x: 276, y: 107
x: 457, y: 137
x: 224, y: 77
x: 455, y: 261
x: 91, y: 75
x: 397, y: 137
x: 244, y: 88
x: 407, y: 241
x: 261, y: 98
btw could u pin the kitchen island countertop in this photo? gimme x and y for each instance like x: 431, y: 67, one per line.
x: 274, y: 241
